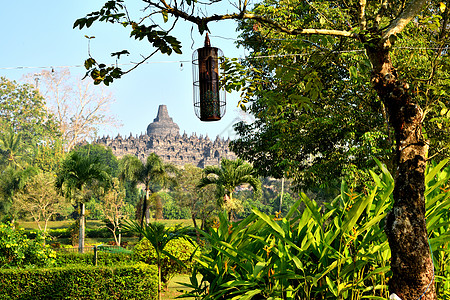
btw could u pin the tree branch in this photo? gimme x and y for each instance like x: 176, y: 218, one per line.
x: 202, y: 22
x: 410, y: 11
x: 362, y: 14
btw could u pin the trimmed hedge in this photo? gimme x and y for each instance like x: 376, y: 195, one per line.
x: 137, y: 281
x: 103, y: 259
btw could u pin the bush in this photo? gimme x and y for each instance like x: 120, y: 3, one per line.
x: 179, y: 248
x: 138, y: 281
x: 16, y: 250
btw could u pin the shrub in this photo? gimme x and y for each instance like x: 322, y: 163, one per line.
x: 138, y: 281
x: 16, y: 250
x: 179, y: 248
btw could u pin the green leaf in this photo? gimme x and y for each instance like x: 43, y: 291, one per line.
x: 332, y: 286
x: 353, y: 72
x: 312, y: 208
x: 435, y: 170
x: 165, y: 15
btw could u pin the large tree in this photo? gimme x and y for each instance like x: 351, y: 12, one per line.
x: 79, y: 108
x: 375, y: 27
x: 28, y: 129
x: 24, y: 110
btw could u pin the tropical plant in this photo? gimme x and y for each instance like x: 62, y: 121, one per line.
x: 154, y: 174
x: 11, y: 181
x: 338, y: 251
x: 226, y: 178
x: 159, y: 237
x: 78, y: 178
x: 13, y: 151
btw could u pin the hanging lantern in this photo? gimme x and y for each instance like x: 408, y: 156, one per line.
x: 209, y: 99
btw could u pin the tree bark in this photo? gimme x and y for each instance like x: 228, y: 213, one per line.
x: 411, y: 263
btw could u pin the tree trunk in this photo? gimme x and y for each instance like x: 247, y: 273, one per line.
x: 146, y: 208
x: 82, y: 228
x: 411, y: 263
x: 158, y: 207
x: 159, y: 277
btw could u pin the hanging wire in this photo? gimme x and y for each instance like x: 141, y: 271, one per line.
x: 188, y: 61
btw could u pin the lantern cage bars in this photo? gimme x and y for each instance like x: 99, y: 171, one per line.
x: 209, y: 98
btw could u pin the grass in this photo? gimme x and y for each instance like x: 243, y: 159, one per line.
x: 59, y: 224
x: 173, y: 290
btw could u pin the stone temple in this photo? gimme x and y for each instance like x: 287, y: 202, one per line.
x: 163, y: 138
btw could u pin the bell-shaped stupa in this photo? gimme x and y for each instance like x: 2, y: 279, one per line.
x: 163, y: 124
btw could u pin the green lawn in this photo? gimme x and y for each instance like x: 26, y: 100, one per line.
x: 175, y: 287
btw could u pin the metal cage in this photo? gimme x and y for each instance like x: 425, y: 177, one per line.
x: 209, y: 98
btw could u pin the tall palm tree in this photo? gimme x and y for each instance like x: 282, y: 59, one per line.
x: 153, y: 174
x: 78, y: 178
x: 226, y: 177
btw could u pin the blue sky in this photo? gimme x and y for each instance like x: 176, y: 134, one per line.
x: 40, y: 34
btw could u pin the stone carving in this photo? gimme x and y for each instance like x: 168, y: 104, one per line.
x: 163, y: 138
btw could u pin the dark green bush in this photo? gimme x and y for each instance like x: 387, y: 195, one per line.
x: 138, y: 281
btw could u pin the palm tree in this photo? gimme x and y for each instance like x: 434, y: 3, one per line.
x: 230, y: 174
x: 78, y: 178
x: 153, y: 174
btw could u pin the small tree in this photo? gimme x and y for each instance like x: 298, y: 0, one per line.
x: 40, y: 200
x: 113, y: 208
